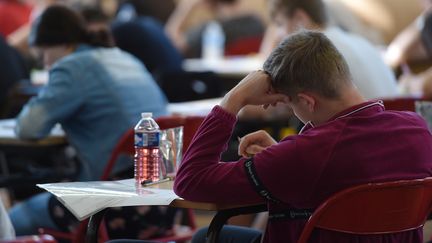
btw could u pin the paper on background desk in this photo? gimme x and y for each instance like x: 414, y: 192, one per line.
x: 193, y: 108
x: 234, y: 66
x: 84, y: 199
x: 7, y: 127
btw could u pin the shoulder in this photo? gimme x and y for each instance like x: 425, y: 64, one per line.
x: 406, y: 117
x: 341, y: 37
x: 90, y: 58
x: 75, y: 60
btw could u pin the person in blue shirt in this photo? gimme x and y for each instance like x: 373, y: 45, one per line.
x: 150, y: 44
x: 95, y: 91
x: 13, y: 70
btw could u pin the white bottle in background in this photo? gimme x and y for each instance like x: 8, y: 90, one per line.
x: 213, y: 42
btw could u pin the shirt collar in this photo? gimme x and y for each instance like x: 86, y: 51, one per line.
x: 357, y: 108
x: 348, y: 112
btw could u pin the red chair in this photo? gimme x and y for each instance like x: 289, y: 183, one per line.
x: 125, y: 146
x: 374, y: 208
x: 401, y: 103
x: 32, y: 239
x: 243, y: 46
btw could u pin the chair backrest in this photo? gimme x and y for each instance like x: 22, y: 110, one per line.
x: 124, y: 146
x: 190, y: 125
x: 401, y: 103
x: 374, y: 208
x: 244, y: 46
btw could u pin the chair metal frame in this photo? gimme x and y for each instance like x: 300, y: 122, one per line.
x: 374, y: 208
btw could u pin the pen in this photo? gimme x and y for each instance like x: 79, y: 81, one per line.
x: 150, y: 183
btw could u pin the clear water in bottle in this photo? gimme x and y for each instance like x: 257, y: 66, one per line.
x: 147, y: 156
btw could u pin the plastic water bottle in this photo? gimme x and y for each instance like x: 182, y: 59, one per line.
x: 147, y: 157
x: 213, y: 42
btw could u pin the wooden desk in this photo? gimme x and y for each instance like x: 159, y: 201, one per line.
x: 76, y: 196
x: 224, y: 212
x: 21, y: 152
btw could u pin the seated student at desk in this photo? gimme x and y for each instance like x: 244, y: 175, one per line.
x: 344, y: 143
x: 95, y: 91
x: 373, y: 78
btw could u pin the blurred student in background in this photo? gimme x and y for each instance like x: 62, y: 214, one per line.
x: 14, y: 69
x: 414, y: 44
x: 96, y: 92
x: 408, y: 45
x: 237, y: 23
x: 145, y: 38
x: 370, y: 74
x: 160, y: 10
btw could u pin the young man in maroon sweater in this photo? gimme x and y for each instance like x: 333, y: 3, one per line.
x: 346, y: 141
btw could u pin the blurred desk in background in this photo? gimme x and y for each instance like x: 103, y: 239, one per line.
x: 9, y: 138
x: 234, y: 67
x: 229, y: 71
x: 23, y: 163
x: 193, y: 108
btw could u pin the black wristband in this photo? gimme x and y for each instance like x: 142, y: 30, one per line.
x: 256, y: 183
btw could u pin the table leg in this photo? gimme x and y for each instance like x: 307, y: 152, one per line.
x: 222, y: 216
x: 93, y: 227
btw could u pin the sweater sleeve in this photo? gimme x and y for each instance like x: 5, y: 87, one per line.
x: 202, y: 177
x: 60, y: 99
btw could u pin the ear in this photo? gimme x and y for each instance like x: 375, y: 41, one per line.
x: 307, y: 101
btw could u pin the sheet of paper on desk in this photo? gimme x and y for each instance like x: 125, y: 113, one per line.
x: 7, y: 127
x: 84, y: 199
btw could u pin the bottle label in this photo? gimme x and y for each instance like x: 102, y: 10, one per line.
x: 147, y: 139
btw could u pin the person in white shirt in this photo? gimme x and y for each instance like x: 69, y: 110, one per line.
x: 373, y: 78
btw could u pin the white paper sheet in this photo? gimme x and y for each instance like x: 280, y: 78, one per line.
x: 7, y: 127
x: 84, y: 199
